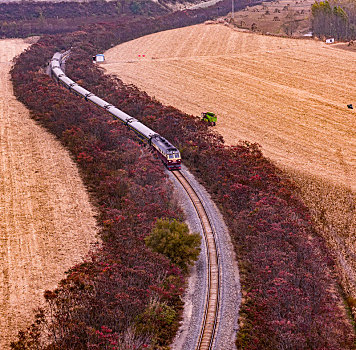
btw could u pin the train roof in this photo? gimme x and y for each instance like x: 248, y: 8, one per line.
x: 99, y: 101
x: 142, y: 129
x: 57, y: 71
x: 80, y: 90
x: 55, y: 62
x: 57, y: 56
x: 68, y: 81
x: 164, y: 144
x: 120, y: 114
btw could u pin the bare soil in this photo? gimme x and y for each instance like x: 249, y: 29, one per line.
x: 47, y: 223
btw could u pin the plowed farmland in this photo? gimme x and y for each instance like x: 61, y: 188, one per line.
x: 288, y: 95
x: 47, y: 223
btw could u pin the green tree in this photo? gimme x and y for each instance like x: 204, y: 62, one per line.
x: 172, y: 238
x: 332, y: 21
x: 160, y: 321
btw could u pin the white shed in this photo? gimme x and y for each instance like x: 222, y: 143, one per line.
x: 99, y: 58
x: 330, y: 40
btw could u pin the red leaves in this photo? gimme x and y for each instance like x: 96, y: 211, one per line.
x: 83, y: 157
x: 49, y: 295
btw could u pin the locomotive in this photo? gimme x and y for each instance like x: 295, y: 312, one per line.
x: 168, y: 153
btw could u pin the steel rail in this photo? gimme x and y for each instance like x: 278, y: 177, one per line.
x: 212, y: 298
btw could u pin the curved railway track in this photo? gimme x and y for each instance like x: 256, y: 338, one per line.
x: 212, y: 297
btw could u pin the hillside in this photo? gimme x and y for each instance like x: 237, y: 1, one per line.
x: 287, y: 95
x: 47, y: 223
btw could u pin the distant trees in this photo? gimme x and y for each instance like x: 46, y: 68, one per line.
x: 172, y: 239
x: 22, y: 19
x: 37, y: 10
x: 334, y: 19
x: 292, y: 24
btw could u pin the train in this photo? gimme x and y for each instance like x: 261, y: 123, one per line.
x: 168, y: 153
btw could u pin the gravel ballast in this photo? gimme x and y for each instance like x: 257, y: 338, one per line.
x: 189, y: 331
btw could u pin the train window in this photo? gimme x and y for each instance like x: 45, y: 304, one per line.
x: 170, y: 156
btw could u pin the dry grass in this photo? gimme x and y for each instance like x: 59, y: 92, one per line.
x: 47, y: 223
x: 288, y: 95
x: 333, y: 209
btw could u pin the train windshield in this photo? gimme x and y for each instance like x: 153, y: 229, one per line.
x: 174, y: 155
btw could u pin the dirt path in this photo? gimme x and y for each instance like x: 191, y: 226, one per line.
x: 288, y: 95
x: 46, y: 221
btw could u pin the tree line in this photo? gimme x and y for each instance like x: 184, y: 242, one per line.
x: 22, y: 19
x: 333, y: 19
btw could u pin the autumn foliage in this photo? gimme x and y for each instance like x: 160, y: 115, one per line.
x: 127, y: 293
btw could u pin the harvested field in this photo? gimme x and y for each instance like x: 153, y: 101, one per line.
x: 47, y: 223
x: 288, y: 95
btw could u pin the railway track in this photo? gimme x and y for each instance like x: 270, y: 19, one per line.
x: 212, y: 298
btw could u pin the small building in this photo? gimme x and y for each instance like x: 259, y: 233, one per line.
x: 330, y: 40
x: 99, y: 58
